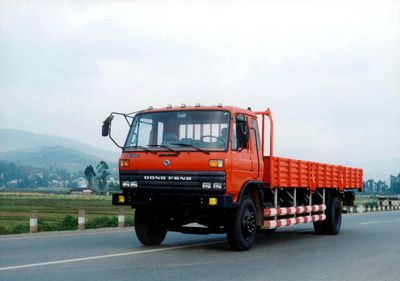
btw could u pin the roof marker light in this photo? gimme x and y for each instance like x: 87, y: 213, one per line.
x: 220, y: 105
x: 197, y: 104
x: 150, y: 108
x: 183, y: 105
x: 169, y: 106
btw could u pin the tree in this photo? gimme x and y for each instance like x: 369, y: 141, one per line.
x: 89, y: 175
x: 102, y: 171
x: 113, y: 186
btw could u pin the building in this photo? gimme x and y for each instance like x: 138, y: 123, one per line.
x: 395, y: 184
x: 81, y: 191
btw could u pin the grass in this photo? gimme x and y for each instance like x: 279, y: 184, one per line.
x: 57, y: 212
x: 365, y: 200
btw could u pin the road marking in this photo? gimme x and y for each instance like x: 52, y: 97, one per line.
x: 66, y: 234
x: 369, y: 222
x: 107, y: 256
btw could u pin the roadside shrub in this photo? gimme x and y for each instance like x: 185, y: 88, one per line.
x: 100, y: 222
x: 21, y: 228
x: 129, y: 222
x: 42, y: 226
x: 4, y: 230
x: 371, y: 204
x: 69, y: 223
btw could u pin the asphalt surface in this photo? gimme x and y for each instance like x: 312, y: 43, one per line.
x: 367, y: 248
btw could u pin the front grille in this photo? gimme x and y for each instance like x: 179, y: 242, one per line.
x: 171, y: 180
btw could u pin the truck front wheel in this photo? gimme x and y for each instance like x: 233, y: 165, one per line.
x: 148, y: 227
x: 242, y: 226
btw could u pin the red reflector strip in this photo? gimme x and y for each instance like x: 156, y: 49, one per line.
x: 291, y: 221
x: 293, y: 210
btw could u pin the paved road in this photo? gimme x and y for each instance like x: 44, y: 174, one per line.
x: 368, y: 248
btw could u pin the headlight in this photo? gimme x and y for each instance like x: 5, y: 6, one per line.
x: 217, y: 185
x: 206, y: 185
x: 129, y: 184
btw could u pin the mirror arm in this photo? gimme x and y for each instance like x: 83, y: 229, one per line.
x: 109, y: 135
x: 127, y: 121
x: 125, y: 116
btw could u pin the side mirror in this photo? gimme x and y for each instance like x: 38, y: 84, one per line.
x: 105, y: 131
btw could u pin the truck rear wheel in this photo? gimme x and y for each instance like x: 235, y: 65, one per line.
x: 242, y: 226
x: 148, y: 228
x: 333, y: 220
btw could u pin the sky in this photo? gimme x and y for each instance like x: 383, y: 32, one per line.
x: 329, y: 70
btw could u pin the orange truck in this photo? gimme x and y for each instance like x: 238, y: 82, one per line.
x: 211, y: 169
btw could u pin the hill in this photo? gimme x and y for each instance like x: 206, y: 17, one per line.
x: 17, y: 141
x: 51, y: 157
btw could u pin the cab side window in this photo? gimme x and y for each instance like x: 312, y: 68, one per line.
x: 240, y: 133
x: 256, y: 135
x: 234, y: 137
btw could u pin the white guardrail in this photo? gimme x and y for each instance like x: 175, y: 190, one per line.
x: 33, y: 220
x: 369, y: 209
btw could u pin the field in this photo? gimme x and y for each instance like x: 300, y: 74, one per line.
x: 57, y: 212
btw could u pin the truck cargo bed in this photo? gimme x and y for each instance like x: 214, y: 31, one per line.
x: 290, y: 173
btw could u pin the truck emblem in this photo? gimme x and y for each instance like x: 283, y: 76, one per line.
x: 166, y: 162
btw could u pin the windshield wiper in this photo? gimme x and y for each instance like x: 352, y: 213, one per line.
x: 190, y: 145
x: 142, y: 147
x: 164, y: 146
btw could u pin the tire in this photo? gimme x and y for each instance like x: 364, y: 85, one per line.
x: 318, y: 227
x: 331, y: 225
x: 242, y: 226
x: 148, y: 228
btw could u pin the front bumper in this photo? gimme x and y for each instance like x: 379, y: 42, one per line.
x: 173, y: 189
x: 174, y: 200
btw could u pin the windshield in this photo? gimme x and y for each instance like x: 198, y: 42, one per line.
x: 202, y: 129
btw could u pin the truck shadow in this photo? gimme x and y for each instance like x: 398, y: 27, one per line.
x: 271, y: 240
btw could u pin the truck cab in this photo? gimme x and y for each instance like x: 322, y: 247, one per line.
x: 188, y: 165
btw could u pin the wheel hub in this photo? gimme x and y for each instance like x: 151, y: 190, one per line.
x: 249, y: 224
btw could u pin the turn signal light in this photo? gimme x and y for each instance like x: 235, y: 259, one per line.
x: 121, y: 199
x: 123, y: 163
x: 216, y: 163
